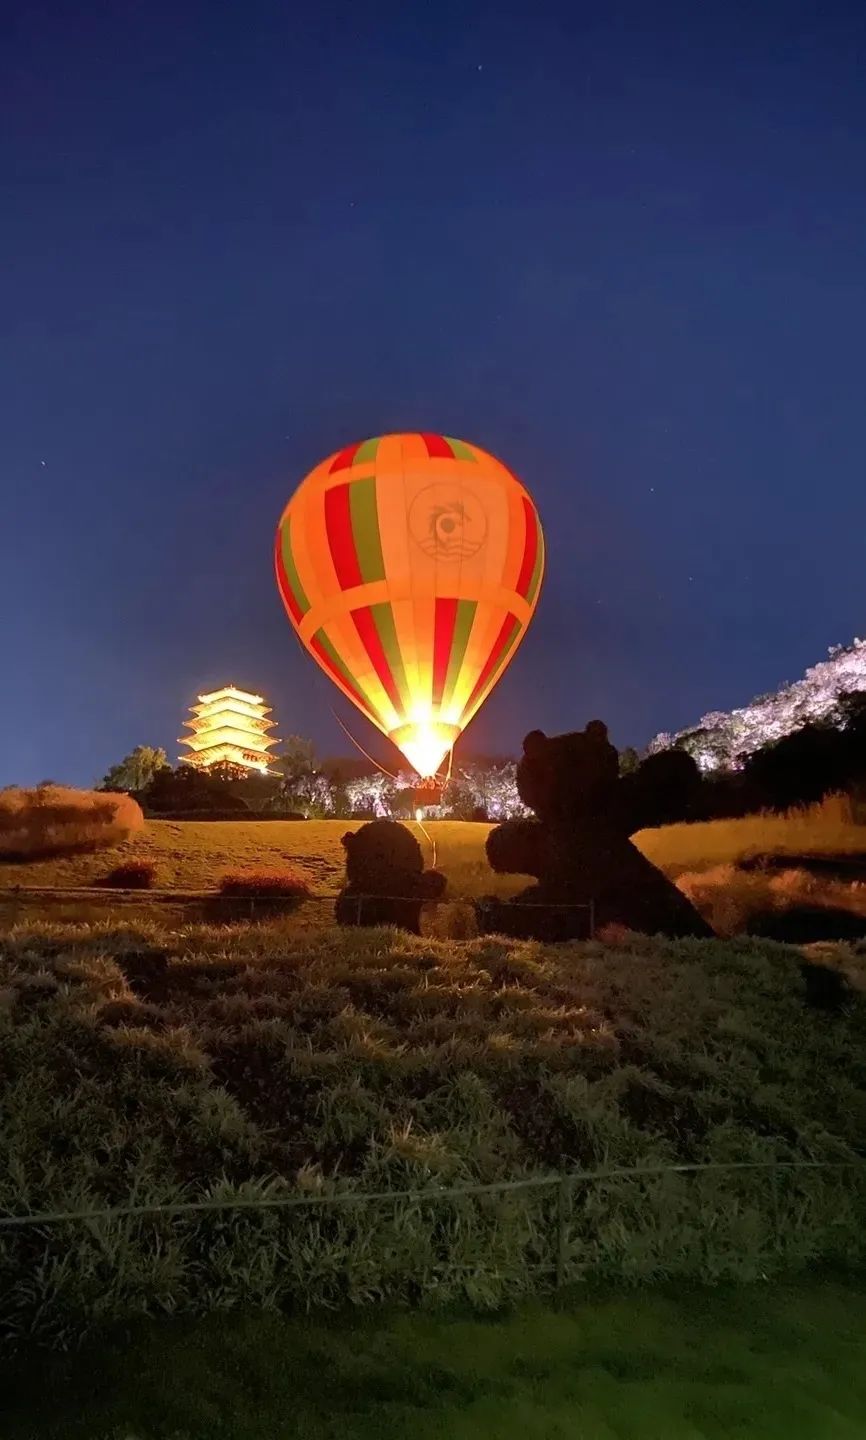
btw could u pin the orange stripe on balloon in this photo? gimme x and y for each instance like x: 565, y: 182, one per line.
x: 516, y: 540
x: 341, y: 540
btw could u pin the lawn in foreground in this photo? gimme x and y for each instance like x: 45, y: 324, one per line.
x: 758, y: 1362
x: 165, y: 1067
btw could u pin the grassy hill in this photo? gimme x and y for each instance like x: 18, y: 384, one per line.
x: 195, y: 854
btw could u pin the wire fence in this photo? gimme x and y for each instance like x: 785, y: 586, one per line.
x: 478, y: 913
x: 564, y: 1185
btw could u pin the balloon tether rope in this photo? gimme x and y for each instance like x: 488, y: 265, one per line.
x: 430, y: 841
x: 358, y: 746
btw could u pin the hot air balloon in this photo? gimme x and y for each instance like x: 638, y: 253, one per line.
x: 410, y: 566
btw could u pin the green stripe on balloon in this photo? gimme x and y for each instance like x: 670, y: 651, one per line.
x: 383, y: 619
x: 365, y: 529
x: 534, y: 583
x: 342, y: 668
x: 291, y: 568
x: 366, y: 451
x: 466, y: 610
x: 461, y: 449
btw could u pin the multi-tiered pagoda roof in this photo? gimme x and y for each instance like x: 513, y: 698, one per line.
x: 229, y: 725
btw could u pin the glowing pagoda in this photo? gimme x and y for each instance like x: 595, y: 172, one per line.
x: 229, y: 725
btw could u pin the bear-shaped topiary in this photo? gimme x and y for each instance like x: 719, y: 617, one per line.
x: 588, y: 872
x: 386, y: 883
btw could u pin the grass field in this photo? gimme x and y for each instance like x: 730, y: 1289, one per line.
x: 826, y: 829
x: 194, y: 855
x: 766, y: 1363
x: 205, y: 1062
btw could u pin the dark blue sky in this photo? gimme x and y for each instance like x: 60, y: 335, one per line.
x: 623, y: 246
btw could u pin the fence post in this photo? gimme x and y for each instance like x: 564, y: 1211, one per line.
x: 592, y: 919
x: 360, y: 902
x: 776, y: 1209
x: 563, y: 1212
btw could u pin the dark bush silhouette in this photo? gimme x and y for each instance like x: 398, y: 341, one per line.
x: 578, y: 848
x: 134, y: 875
x: 146, y: 973
x: 826, y: 989
x: 386, y: 883
x: 256, y: 894
x: 801, y: 768
x: 665, y: 788
x: 264, y: 885
x: 188, y: 789
x: 727, y: 795
x: 807, y: 924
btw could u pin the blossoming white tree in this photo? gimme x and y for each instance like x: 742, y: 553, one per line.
x: 723, y: 740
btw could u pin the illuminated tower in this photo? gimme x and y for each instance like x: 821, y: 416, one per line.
x: 229, y: 725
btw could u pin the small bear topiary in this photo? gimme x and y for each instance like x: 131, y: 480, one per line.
x: 386, y: 883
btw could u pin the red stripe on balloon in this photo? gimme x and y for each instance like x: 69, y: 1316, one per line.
x: 338, y: 524
x: 321, y: 654
x: 443, y: 638
x: 283, y: 585
x: 530, y: 549
x: 366, y: 628
x: 345, y: 458
x: 493, y: 658
x: 438, y: 447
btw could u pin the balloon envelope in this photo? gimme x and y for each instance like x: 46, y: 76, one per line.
x: 410, y: 566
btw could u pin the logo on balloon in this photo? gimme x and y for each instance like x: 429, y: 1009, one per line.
x: 447, y: 529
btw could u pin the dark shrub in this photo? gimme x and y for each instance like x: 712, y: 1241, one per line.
x: 662, y: 790
x: 134, y: 875
x: 264, y: 885
x: 807, y: 924
x: 189, y: 789
x: 800, y: 769
x: 58, y: 820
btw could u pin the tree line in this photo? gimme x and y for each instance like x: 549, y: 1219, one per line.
x: 791, y: 771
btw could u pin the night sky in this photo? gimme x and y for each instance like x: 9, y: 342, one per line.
x: 623, y: 247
